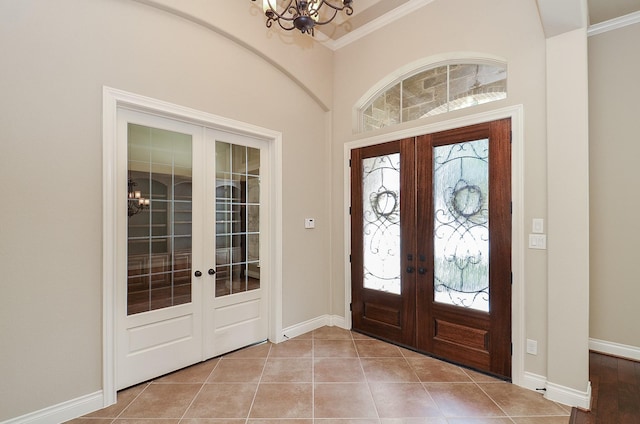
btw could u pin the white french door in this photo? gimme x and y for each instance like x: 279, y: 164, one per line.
x: 189, y: 284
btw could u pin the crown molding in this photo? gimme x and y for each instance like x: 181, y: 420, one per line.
x: 613, y: 24
x: 376, y: 24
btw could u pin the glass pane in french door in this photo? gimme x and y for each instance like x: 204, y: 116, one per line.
x: 461, y: 224
x: 381, y: 223
x: 159, y: 218
x: 237, y: 218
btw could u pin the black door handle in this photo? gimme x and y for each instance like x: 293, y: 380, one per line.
x: 410, y: 269
x: 422, y: 270
x: 197, y: 274
x: 211, y: 271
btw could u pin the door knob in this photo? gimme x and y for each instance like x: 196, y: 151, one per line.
x: 211, y: 271
x: 410, y: 269
x: 422, y: 270
x: 198, y: 274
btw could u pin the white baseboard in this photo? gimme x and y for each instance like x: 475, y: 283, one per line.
x: 62, y: 412
x: 557, y: 393
x: 615, y: 349
x: 313, y: 324
x: 569, y: 396
x: 534, y: 382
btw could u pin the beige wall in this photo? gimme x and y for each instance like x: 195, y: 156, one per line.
x: 568, y: 191
x: 508, y: 30
x: 56, y: 58
x: 614, y: 66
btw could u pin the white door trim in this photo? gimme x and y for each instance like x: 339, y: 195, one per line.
x: 516, y: 113
x: 113, y: 99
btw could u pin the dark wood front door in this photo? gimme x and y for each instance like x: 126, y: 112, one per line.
x: 431, y: 244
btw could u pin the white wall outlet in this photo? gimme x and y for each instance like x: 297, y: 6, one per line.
x: 309, y: 223
x: 532, y: 347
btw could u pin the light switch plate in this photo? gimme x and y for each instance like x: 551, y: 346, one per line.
x: 537, y: 241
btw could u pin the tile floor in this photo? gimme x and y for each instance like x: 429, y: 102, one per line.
x: 328, y: 376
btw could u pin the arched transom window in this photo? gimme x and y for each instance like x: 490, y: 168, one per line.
x: 434, y: 90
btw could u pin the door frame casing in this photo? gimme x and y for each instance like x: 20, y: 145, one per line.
x: 516, y: 113
x: 114, y: 99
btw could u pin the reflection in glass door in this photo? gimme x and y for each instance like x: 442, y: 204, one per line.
x: 159, y: 218
x: 237, y: 219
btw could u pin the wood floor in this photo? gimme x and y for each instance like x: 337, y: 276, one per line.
x: 615, y: 385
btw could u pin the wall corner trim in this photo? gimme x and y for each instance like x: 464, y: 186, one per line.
x: 615, y: 349
x: 62, y: 412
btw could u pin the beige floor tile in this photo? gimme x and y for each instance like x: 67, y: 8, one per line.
x: 223, y: 400
x: 328, y: 376
x: 246, y: 370
x: 346, y: 370
x: 359, y: 336
x: 213, y: 421
x: 334, y: 348
x: 483, y: 420
x: 390, y: 370
x: 343, y: 400
x: 478, y: 377
x: 376, y: 349
x: 541, y: 420
x: 124, y: 398
x: 288, y: 370
x: 403, y: 400
x: 462, y: 400
x: 432, y: 370
x: 302, y: 348
x: 257, y: 351
x: 283, y: 400
x: 194, y: 374
x: 422, y: 420
x: 518, y: 401
x: 162, y: 401
x: 332, y: 333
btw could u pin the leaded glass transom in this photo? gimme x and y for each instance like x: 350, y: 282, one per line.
x: 438, y: 89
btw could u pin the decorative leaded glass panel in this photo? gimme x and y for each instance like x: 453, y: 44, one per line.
x: 461, y: 224
x: 381, y: 222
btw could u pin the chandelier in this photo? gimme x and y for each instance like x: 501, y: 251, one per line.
x: 136, y: 203
x: 304, y: 15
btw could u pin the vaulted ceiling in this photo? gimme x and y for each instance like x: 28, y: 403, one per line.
x: 557, y: 16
